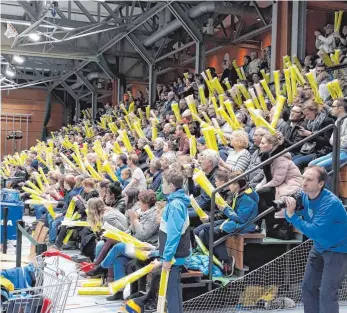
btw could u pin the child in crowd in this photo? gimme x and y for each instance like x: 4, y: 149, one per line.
x: 126, y: 176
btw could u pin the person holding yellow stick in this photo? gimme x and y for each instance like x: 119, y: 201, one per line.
x: 174, y: 236
x: 241, y: 208
x: 69, y: 186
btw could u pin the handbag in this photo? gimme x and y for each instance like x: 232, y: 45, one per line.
x: 308, y: 148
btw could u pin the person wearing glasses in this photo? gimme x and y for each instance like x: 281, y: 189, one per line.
x: 338, y: 110
x: 297, y: 121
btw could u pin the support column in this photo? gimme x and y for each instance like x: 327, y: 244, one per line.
x: 78, y: 110
x: 152, y: 84
x: 119, y: 91
x: 94, y: 102
x: 280, y: 33
x: 299, y: 15
x: 200, y: 57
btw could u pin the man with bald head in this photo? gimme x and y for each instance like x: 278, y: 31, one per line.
x: 71, y: 191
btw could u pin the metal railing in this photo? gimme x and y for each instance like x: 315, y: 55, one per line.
x: 335, y: 168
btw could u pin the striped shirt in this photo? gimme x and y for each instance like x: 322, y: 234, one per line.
x: 239, y: 161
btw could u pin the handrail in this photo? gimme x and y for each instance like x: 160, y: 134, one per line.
x: 341, y: 166
x: 213, y: 195
x: 336, y: 164
x: 336, y: 152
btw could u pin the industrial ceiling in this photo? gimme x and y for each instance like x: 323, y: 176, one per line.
x: 66, y: 45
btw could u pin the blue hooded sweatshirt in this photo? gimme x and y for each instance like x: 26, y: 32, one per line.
x: 174, y: 232
x: 245, y: 209
x: 324, y: 221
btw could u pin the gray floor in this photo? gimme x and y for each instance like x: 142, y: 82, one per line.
x: 91, y: 304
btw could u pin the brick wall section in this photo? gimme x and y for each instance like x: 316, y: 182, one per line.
x: 27, y: 101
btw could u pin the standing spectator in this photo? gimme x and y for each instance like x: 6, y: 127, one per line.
x: 326, y: 43
x: 108, y: 108
x: 174, y: 236
x: 254, y: 65
x: 246, y: 61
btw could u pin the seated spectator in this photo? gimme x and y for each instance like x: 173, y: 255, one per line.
x: 53, y: 224
x: 339, y: 110
x: 138, y: 179
x: 201, y: 144
x: 114, y: 197
x: 256, y: 176
x: 126, y: 176
x: 81, y: 200
x: 282, y: 178
x: 102, y: 189
x: 242, y: 208
x: 297, y: 122
x: 143, y: 155
x: 209, y: 165
x: 158, y: 145
x: 167, y: 132
x: 183, y: 141
x: 282, y: 125
x: 239, y: 157
x: 155, y: 170
x: 319, y: 146
x: 144, y: 227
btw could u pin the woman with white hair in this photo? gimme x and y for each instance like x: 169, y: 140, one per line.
x: 239, y: 157
x: 158, y: 145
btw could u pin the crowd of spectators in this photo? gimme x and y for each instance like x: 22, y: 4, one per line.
x: 134, y: 202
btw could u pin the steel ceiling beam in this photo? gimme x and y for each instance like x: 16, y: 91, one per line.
x: 105, y: 66
x: 135, y: 24
x: 137, y: 44
x: 67, y: 75
x: 85, y: 12
x: 81, y: 55
x: 110, y: 11
x: 29, y: 10
x: 236, y: 41
x: 165, y: 56
x: 85, y: 81
x: 186, y: 22
x: 60, y: 13
x: 69, y: 90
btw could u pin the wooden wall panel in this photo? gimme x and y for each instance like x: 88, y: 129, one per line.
x: 27, y: 101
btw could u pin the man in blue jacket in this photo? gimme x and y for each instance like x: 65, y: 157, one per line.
x: 324, y: 220
x: 174, y: 236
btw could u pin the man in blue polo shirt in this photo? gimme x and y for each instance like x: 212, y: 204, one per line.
x: 323, y: 219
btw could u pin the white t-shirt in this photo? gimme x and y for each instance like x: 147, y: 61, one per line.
x: 142, y: 183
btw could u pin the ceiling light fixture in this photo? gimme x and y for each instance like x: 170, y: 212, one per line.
x: 258, y: 19
x: 18, y: 59
x: 34, y: 36
x: 10, y: 71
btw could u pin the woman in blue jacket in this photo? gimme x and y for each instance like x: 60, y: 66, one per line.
x: 242, y: 209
